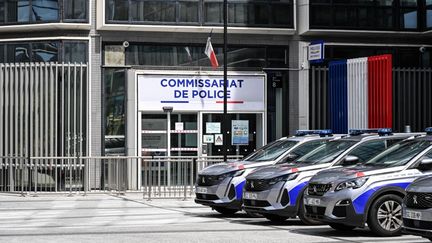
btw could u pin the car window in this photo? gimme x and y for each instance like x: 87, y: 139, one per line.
x: 302, y: 150
x: 271, y: 152
x: 327, y: 152
x: 368, y: 149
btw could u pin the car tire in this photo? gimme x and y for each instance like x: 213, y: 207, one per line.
x: 341, y: 227
x: 302, y: 215
x: 275, y: 218
x: 385, y: 215
x: 225, y: 211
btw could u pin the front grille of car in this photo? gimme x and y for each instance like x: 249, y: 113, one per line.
x: 256, y: 203
x: 418, y: 200
x: 207, y: 180
x: 417, y: 224
x: 257, y: 185
x: 318, y: 189
x: 315, y: 211
x: 206, y: 196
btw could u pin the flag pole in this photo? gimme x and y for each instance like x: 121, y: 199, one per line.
x: 225, y: 74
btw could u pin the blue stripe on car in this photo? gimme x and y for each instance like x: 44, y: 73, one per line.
x: 293, y: 194
x: 360, y: 202
x: 239, y: 190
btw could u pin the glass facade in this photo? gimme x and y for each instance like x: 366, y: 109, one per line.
x: 42, y: 11
x: 429, y: 14
x: 44, y: 51
x: 258, y: 13
x: 397, y: 15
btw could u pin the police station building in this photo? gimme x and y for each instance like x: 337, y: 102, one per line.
x: 130, y: 77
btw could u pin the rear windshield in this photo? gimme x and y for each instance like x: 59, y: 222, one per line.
x: 271, y: 151
x: 327, y: 152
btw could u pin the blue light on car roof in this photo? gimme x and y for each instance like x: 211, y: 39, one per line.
x: 385, y: 131
x: 326, y: 132
x: 428, y: 130
x: 380, y: 131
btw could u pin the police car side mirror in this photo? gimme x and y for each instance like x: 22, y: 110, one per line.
x: 351, y: 160
x: 425, y: 164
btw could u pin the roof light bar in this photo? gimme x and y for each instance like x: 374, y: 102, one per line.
x: 322, y: 133
x: 428, y: 130
x: 380, y: 131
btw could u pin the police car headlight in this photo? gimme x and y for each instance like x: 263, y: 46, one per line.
x: 283, y: 178
x: 354, y: 184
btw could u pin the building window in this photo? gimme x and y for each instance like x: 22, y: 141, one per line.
x: 42, y: 11
x: 429, y: 14
x: 396, y: 15
x: 256, y: 13
x: 44, y: 51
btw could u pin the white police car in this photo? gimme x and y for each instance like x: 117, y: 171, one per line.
x: 220, y: 186
x: 371, y: 193
x: 417, y: 205
x: 276, y: 191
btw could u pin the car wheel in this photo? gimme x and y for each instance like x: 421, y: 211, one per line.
x: 225, y: 211
x: 302, y: 215
x: 385, y: 216
x: 275, y: 218
x: 341, y: 227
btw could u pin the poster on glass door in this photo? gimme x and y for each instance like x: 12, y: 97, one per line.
x: 240, y: 132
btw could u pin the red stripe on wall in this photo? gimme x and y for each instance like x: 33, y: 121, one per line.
x: 380, y: 89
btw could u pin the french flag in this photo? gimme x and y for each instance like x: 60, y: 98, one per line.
x: 211, y: 54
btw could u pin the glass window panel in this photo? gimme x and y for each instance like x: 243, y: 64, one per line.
x: 159, y: 11
x: 345, y: 16
x: 154, y: 140
x: 2, y: 53
x: 18, y: 53
x: 75, y: 9
x: 282, y: 14
x: 117, y: 10
x: 114, y: 101
x: 45, y: 52
x: 18, y: 11
x: 137, y: 10
x: 409, y: 3
x: 429, y: 18
x: 408, y: 19
x: 237, y: 13
x: 384, y: 18
x: 188, y: 12
x: 386, y: 2
x: 2, y: 12
x: 365, y: 17
x: 75, y: 52
x: 258, y: 14
x: 276, y: 57
x: 179, y: 140
x: 44, y: 10
x: 213, y: 13
x: 320, y: 16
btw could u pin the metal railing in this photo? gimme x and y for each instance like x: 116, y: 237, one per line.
x: 154, y: 176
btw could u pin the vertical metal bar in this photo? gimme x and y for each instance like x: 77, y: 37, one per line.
x: 2, y: 127
x: 55, y: 132
x: 80, y: 107
x: 69, y: 134
x: 62, y: 127
x: 10, y: 120
x: 75, y: 134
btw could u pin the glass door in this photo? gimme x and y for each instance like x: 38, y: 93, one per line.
x: 169, y: 134
x: 245, y: 133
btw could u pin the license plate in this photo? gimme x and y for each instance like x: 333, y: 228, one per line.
x: 250, y: 195
x: 201, y: 190
x: 313, y: 201
x: 413, y: 215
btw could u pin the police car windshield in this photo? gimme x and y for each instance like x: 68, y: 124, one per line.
x: 400, y: 153
x: 327, y: 152
x: 271, y: 151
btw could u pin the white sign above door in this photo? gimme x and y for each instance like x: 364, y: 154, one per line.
x: 200, y: 92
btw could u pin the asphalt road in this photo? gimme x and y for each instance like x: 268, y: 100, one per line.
x: 110, y: 218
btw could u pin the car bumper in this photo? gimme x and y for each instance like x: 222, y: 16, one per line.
x: 333, y: 209
x: 275, y: 200
x: 420, y: 227
x: 220, y: 195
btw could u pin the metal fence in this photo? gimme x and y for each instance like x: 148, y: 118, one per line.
x: 155, y: 177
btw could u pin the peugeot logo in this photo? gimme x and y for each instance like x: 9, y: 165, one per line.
x: 314, y: 189
x: 252, y: 184
x: 415, y: 199
x: 203, y: 179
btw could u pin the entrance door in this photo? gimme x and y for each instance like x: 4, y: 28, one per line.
x: 169, y: 134
x: 244, y: 136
